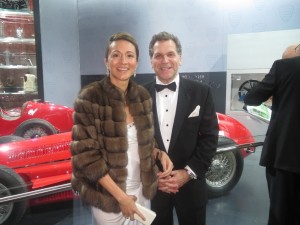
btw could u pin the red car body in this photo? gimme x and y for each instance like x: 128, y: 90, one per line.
x: 35, y: 119
x: 233, y: 129
x: 46, y: 161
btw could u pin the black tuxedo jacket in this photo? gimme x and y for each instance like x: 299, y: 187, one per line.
x: 194, y: 139
x: 281, y: 147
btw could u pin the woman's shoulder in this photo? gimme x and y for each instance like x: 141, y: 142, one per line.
x: 91, y: 89
x: 139, y: 90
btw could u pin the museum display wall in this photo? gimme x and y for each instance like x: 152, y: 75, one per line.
x: 203, y: 31
x: 18, y: 74
x: 72, y: 39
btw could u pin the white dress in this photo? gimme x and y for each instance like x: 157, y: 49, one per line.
x: 133, y: 185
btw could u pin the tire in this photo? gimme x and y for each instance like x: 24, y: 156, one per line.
x: 225, y: 170
x: 35, y: 128
x: 10, y: 183
x: 10, y: 138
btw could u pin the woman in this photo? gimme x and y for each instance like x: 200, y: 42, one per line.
x: 113, y: 154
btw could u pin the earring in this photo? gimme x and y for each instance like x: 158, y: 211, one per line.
x: 134, y: 74
x: 107, y: 72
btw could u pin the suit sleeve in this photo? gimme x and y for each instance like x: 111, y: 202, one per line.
x: 264, y: 89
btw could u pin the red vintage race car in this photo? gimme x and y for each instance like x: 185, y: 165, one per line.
x: 39, y: 164
x: 35, y: 119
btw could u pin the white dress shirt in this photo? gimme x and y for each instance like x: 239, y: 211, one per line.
x: 166, y: 103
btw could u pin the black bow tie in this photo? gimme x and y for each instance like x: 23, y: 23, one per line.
x: 160, y: 87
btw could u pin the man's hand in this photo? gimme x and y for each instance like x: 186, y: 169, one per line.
x: 174, y: 182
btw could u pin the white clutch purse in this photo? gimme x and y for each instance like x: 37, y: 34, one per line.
x: 148, y: 214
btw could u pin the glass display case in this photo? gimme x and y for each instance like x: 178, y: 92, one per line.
x: 241, y: 83
x: 18, y: 72
x: 238, y: 83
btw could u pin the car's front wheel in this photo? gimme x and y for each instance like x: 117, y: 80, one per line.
x: 225, y: 171
x: 11, y: 184
x: 9, y: 139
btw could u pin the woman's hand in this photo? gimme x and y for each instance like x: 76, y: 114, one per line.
x: 128, y: 207
x: 126, y: 202
x: 166, y: 163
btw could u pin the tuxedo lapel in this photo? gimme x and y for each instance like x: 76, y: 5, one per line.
x: 181, y: 110
x: 158, y: 137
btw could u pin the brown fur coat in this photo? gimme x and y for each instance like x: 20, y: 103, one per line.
x: 100, y: 144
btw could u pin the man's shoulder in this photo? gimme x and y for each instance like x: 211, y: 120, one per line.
x: 288, y: 60
x: 193, y: 83
x: 288, y: 64
x: 148, y: 85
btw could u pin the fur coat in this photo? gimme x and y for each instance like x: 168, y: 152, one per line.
x: 99, y: 141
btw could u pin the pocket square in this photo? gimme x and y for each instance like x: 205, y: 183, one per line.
x: 195, y: 112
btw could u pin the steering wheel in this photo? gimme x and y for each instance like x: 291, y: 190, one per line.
x: 245, y: 87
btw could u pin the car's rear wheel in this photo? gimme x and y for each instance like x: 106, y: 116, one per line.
x: 35, y: 128
x: 225, y: 170
x: 11, y: 184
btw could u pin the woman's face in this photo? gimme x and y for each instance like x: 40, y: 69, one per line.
x: 121, y: 61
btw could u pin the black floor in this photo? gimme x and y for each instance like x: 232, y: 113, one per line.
x: 247, y: 204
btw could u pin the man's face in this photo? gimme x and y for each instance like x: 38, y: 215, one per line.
x: 165, y: 60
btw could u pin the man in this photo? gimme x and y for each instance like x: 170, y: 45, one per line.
x: 186, y: 127
x: 281, y: 151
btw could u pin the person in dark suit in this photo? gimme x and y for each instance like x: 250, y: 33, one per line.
x: 186, y: 127
x: 281, y: 152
